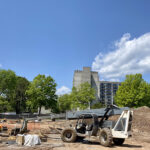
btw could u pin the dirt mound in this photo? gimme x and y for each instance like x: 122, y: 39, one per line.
x: 142, y: 109
x: 141, y: 123
x: 141, y: 119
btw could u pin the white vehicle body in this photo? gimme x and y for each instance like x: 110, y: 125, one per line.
x: 122, y: 128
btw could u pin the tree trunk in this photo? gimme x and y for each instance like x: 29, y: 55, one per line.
x: 17, y: 107
x: 39, y: 110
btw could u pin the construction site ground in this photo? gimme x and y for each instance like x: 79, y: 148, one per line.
x: 51, y: 131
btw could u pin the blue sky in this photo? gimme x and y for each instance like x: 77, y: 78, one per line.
x: 56, y: 37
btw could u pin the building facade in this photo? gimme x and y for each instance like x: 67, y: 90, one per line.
x: 86, y: 75
x: 105, y: 90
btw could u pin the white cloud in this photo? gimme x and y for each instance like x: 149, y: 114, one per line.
x: 63, y: 90
x: 0, y: 65
x: 129, y: 56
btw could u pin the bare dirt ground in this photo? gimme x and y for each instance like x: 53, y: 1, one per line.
x: 139, y: 141
x: 54, y: 143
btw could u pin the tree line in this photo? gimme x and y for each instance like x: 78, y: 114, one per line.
x: 81, y: 97
x: 20, y: 95
x: 133, y: 92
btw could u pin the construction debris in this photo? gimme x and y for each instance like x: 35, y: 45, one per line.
x: 49, y: 134
x: 4, y: 134
x: 31, y: 140
x: 20, y: 139
x: 55, y: 130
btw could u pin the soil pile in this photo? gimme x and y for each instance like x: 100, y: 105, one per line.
x: 141, y: 124
x: 141, y: 119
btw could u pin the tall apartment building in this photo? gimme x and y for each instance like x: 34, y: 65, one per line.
x: 87, y: 76
x: 105, y: 90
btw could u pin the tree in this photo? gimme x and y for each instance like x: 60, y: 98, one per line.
x: 133, y: 92
x: 97, y: 105
x: 4, y: 105
x: 82, y: 96
x: 41, y: 92
x: 64, y: 102
x: 7, y: 89
x: 22, y: 85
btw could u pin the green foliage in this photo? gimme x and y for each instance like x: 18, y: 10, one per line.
x: 7, y: 89
x: 97, y: 105
x: 82, y: 97
x: 56, y: 108
x: 133, y: 92
x: 22, y: 85
x: 13, y: 95
x: 5, y: 105
x: 7, y: 81
x: 41, y: 92
x: 64, y: 102
x: 12, y: 91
